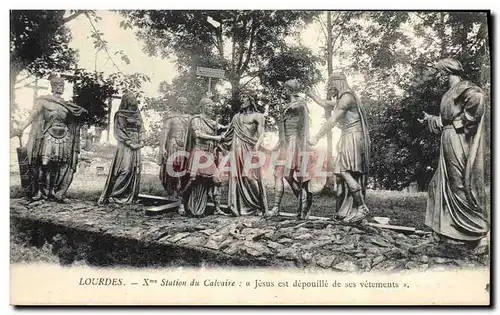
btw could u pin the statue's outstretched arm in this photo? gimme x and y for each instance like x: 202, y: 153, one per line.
x: 320, y: 101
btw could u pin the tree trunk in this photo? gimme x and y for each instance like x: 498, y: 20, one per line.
x: 235, y: 95
x: 15, y: 70
x: 84, y: 136
x: 330, y: 182
x: 484, y: 72
x: 108, y: 127
x: 464, y: 43
x: 441, y: 34
x: 98, y: 134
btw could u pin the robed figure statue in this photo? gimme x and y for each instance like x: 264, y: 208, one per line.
x: 53, y: 144
x: 171, y: 144
x: 456, y: 204
x: 352, y: 163
x: 244, y: 136
x: 201, y: 166
x: 124, y: 177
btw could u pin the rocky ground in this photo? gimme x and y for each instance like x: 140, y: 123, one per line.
x: 244, y: 241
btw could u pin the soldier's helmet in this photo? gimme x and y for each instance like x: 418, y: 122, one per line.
x: 293, y: 86
x: 56, y: 82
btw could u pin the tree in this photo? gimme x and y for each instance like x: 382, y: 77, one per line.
x: 188, y: 85
x: 253, y: 37
x: 92, y: 92
x: 294, y: 61
x: 39, y: 43
x: 299, y: 63
x: 393, y: 51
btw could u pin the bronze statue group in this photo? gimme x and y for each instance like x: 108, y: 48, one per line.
x: 194, y: 148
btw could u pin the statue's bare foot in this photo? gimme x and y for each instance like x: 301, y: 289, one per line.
x: 478, y: 251
x: 37, y: 197
x: 218, y: 211
x: 341, y: 215
x: 481, y: 248
x: 435, y: 238
x: 306, y: 213
x: 303, y: 215
x: 357, y: 216
x: 335, y: 218
x: 272, y: 213
x: 181, y: 210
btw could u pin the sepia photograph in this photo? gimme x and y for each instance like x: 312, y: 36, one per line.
x: 250, y: 157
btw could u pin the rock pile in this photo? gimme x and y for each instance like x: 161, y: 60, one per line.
x: 274, y: 242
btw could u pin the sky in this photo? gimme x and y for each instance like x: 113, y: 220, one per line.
x: 156, y: 68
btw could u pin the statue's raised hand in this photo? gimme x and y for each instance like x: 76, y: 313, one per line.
x: 423, y: 120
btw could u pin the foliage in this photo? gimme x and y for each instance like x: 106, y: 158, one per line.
x: 39, y: 41
x: 130, y: 82
x: 92, y: 92
x: 254, y: 38
x: 290, y: 63
x: 293, y: 62
x: 393, y: 52
x: 123, y: 82
x: 39, y: 45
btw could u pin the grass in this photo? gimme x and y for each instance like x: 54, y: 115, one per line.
x: 21, y: 250
x: 403, y: 208
x: 406, y: 209
x: 89, y: 187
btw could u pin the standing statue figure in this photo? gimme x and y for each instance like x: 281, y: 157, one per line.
x: 352, y: 163
x: 456, y: 204
x: 201, y: 167
x: 172, y: 142
x: 293, y: 134
x: 122, y: 185
x: 54, y: 143
x: 244, y: 136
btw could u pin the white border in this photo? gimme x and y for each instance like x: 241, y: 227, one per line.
x: 162, y: 4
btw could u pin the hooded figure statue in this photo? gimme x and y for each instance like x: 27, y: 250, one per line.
x: 124, y: 177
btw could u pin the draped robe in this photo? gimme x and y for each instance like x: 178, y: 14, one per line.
x: 123, y: 182
x: 200, y: 151
x: 456, y: 204
x: 247, y: 194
